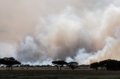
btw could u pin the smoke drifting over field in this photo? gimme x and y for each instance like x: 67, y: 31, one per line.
x: 86, y: 32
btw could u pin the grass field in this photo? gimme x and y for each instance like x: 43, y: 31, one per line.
x: 63, y: 74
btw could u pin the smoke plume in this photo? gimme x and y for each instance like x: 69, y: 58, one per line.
x: 86, y: 32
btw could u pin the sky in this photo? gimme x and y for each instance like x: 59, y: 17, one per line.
x: 39, y: 31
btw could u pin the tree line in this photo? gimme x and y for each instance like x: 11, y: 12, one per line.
x: 9, y: 62
x: 60, y: 63
x: 108, y: 64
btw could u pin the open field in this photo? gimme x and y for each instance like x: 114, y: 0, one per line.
x: 63, y: 74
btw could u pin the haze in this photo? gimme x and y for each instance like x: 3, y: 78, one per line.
x: 73, y: 30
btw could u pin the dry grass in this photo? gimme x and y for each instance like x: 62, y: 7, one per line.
x: 54, y: 74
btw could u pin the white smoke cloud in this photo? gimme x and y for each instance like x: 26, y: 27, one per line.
x: 86, y: 32
x: 59, y: 36
x: 108, y: 33
x: 7, y: 50
x: 69, y: 36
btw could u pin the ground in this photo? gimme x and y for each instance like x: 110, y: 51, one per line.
x: 55, y: 74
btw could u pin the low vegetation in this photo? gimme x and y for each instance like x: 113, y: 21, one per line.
x: 61, y: 63
x: 106, y: 65
x: 106, y: 69
x: 9, y: 62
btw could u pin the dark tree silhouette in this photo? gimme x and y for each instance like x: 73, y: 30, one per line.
x: 108, y: 64
x: 9, y: 62
x: 59, y: 63
x: 94, y: 65
x: 102, y: 64
x: 73, y: 65
x: 112, y: 64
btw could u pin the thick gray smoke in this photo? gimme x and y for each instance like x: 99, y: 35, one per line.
x: 84, y: 32
x: 57, y: 37
x: 85, y: 39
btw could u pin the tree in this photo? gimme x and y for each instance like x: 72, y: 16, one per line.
x: 9, y: 62
x: 73, y: 65
x: 102, y: 64
x: 59, y: 63
x: 112, y: 64
x: 108, y: 64
x: 94, y: 65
